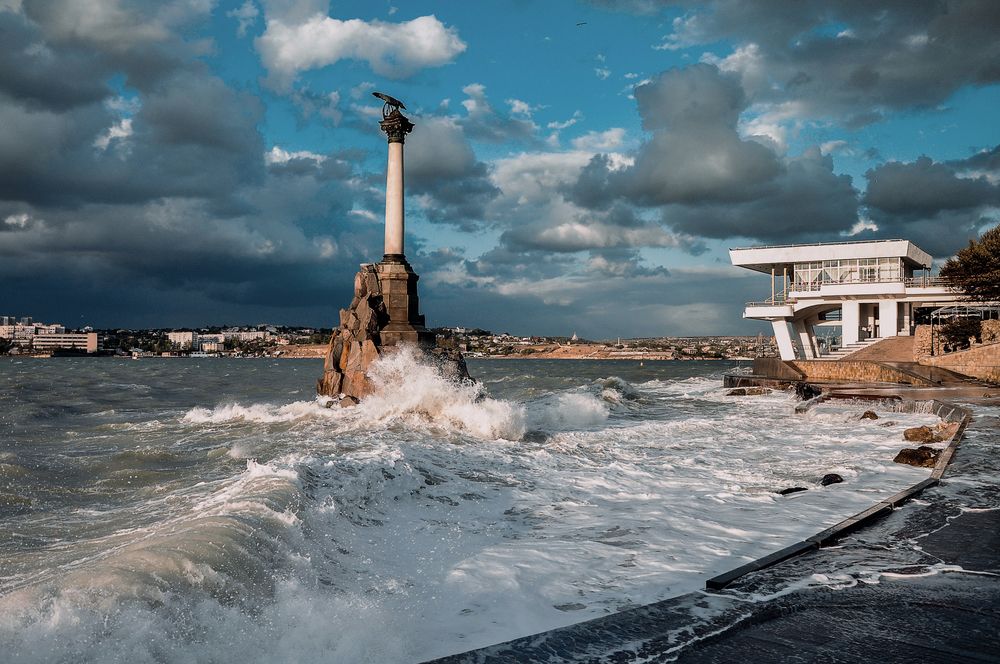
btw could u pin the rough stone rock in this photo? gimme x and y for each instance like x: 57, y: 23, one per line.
x: 831, y: 478
x: 369, y: 353
x: 923, y: 456
x: 357, y: 343
x: 945, y: 430
x: 747, y: 391
x: 805, y: 391
x: 922, y: 434
x: 794, y: 489
x: 869, y: 415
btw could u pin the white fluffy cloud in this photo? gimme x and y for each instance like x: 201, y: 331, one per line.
x: 395, y: 50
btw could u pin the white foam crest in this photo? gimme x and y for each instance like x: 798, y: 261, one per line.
x: 571, y: 410
x: 406, y: 386
x: 258, y: 412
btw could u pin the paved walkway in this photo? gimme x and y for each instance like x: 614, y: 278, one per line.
x: 923, y: 584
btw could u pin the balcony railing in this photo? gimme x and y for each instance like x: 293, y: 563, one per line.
x: 911, y: 282
x: 781, y: 299
x: 918, y: 282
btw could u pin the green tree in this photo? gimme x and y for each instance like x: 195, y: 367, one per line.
x: 975, y: 270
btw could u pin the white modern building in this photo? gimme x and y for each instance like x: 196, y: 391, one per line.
x: 183, y: 339
x: 85, y: 341
x: 870, y: 290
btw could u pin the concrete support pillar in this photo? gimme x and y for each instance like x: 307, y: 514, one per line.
x: 850, y: 321
x: 394, y: 201
x: 806, y: 338
x: 888, y: 318
x: 906, y: 314
x: 784, y: 339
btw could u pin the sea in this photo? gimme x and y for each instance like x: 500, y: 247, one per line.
x: 216, y: 510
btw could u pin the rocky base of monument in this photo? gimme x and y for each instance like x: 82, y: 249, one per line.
x: 358, y: 342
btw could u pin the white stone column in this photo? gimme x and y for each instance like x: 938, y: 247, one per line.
x: 784, y: 340
x: 850, y: 321
x: 396, y: 126
x: 394, y: 211
x: 804, y: 332
x: 888, y: 318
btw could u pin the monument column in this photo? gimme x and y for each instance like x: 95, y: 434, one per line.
x: 396, y: 126
x: 397, y: 279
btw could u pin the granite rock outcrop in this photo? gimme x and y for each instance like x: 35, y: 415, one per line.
x: 366, y: 333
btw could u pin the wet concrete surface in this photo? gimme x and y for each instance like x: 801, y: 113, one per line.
x: 922, y: 584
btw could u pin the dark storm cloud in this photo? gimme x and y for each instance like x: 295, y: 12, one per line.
x: 851, y: 59
x: 925, y: 187
x: 39, y: 77
x: 442, y: 166
x: 710, y: 182
x: 155, y: 192
x: 918, y: 200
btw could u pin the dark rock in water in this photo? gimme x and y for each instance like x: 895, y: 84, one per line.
x: 747, y: 391
x: 805, y: 391
x: 869, y: 415
x: 923, y: 456
x: 348, y: 401
x: 831, y: 478
x: 888, y: 424
x: 451, y: 363
x: 920, y: 435
x: 794, y: 489
x: 535, y: 436
x: 575, y: 606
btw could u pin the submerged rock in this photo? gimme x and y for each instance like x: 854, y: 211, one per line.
x: 805, y: 391
x: 923, y: 456
x: 831, y: 478
x: 794, y: 489
x: 869, y: 415
x: 747, y: 391
x: 923, y: 434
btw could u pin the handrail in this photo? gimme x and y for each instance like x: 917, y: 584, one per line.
x: 814, y: 244
x: 909, y: 282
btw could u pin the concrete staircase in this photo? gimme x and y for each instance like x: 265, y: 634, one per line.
x: 849, y: 349
x: 890, y: 349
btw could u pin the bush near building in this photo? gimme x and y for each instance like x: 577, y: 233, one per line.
x: 958, y: 333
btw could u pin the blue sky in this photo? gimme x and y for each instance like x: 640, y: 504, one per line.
x: 576, y: 166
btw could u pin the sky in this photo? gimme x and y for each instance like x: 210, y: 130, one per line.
x: 577, y: 166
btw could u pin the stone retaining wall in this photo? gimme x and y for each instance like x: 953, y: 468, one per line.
x: 855, y: 372
x: 982, y: 362
x: 990, y: 334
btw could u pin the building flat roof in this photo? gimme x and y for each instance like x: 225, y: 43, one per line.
x: 764, y: 258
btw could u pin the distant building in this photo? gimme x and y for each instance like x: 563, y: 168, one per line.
x: 85, y: 341
x: 210, y: 345
x: 183, y: 340
x: 869, y: 290
x: 251, y: 335
x: 21, y: 331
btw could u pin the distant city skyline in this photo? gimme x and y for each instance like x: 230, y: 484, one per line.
x: 576, y: 166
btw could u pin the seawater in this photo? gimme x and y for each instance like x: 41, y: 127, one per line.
x: 214, y: 510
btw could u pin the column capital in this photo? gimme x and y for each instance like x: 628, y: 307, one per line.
x: 396, y: 126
